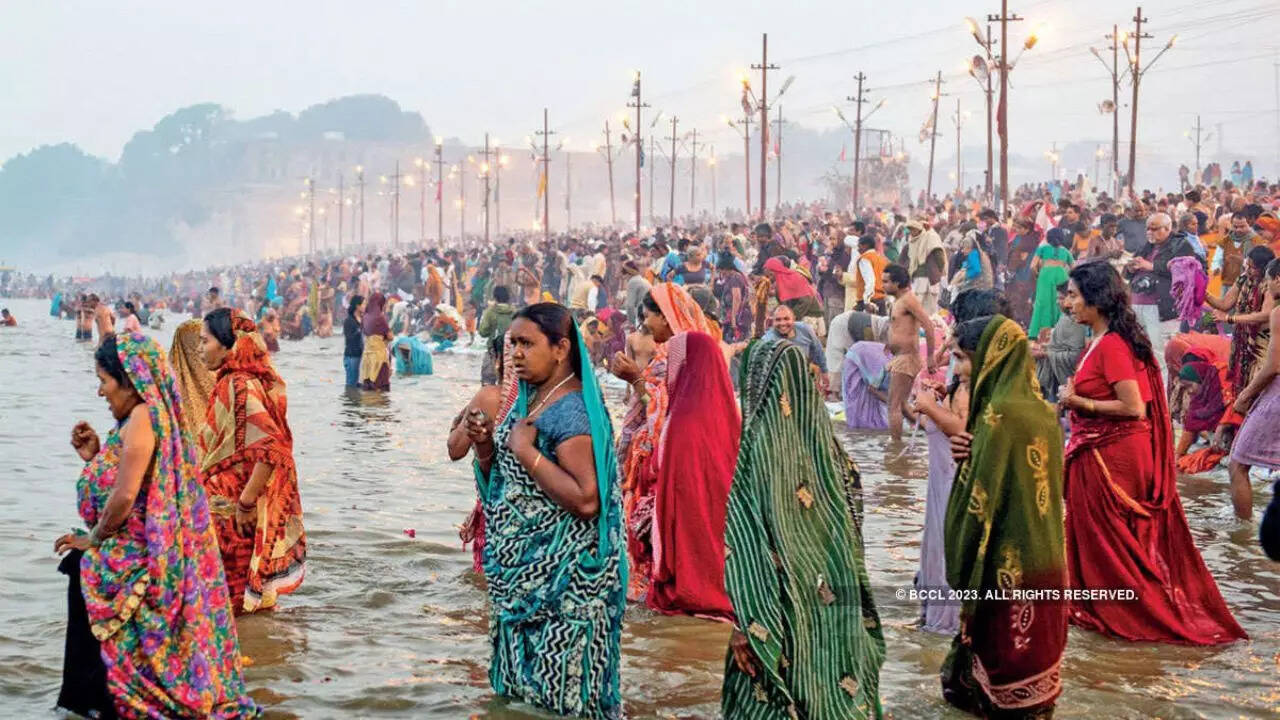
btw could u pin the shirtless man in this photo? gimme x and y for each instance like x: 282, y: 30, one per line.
x: 103, y: 318
x: 84, y: 318
x: 906, y: 318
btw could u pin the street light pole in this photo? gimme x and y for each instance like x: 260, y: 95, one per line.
x: 777, y: 160
x: 671, y: 212
x: 608, y: 156
x: 933, y: 138
x: 1004, y: 18
x: 638, y: 104
x: 857, y: 100
x: 764, y: 67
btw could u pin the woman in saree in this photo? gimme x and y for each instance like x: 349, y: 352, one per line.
x: 375, y: 368
x: 249, y: 473
x: 195, y: 382
x: 807, y: 640
x: 696, y: 456
x: 324, y: 314
x: 668, y: 310
x: 547, y: 480
x: 412, y: 355
x: 1258, y: 442
x: 1125, y: 524
x: 1246, y: 308
x: 734, y: 293
x: 1003, y: 532
x: 865, y: 386
x: 1020, y: 285
x: 150, y: 632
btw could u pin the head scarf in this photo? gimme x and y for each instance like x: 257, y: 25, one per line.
x: 790, y: 282
x: 156, y: 596
x: 374, y: 321
x: 681, y: 311
x: 193, y: 379
x: 1004, y: 527
x: 794, y: 553
x: 419, y: 362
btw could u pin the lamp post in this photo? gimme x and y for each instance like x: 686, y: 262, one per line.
x: 856, y: 127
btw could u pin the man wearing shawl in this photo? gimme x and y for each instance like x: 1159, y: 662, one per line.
x: 151, y: 633
x: 927, y: 264
x: 1005, y: 536
x: 807, y: 640
x: 247, y: 448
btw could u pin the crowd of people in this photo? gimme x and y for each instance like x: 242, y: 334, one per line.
x: 1047, y: 354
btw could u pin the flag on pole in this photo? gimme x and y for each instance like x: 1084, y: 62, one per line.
x: 542, y: 184
x: 777, y: 148
x: 438, y: 186
x: 842, y: 153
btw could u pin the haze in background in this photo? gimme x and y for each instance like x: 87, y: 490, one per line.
x: 191, y: 127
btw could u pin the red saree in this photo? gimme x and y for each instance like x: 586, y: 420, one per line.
x: 1125, y: 525
x: 246, y: 425
x: 698, y: 452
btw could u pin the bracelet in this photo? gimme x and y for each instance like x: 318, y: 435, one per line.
x: 1092, y: 405
x: 1231, y: 319
x: 94, y: 538
x: 534, y: 469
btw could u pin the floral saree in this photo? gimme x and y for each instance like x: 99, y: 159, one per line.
x: 154, y: 592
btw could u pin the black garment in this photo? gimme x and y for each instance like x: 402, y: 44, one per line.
x: 998, y: 237
x: 1134, y: 234
x: 1269, y: 533
x: 771, y: 248
x: 1159, y: 280
x: 831, y: 281
x: 355, y: 339
x: 84, y: 675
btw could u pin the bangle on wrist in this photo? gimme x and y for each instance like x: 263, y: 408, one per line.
x: 246, y: 507
x: 536, y: 461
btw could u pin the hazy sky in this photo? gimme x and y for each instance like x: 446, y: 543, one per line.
x: 93, y: 73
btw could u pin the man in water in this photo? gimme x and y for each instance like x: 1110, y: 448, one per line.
x: 906, y: 318
x: 7, y: 320
x: 102, y: 318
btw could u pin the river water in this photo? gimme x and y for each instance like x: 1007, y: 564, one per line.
x: 392, y: 626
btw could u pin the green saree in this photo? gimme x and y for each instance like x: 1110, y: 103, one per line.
x: 1005, y: 537
x: 793, y: 555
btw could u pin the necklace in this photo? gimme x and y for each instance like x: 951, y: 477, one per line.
x: 543, y: 400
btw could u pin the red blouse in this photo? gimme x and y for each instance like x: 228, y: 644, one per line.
x: 1107, y: 363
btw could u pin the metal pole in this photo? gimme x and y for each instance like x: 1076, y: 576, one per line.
x: 651, y: 156
x: 340, y: 203
x: 746, y: 156
x: 764, y: 67
x: 693, y: 176
x: 671, y: 212
x: 777, y: 160
x: 608, y: 156
x: 639, y: 104
x: 988, y: 185
x: 440, y: 193
x: 857, y: 142
x: 1136, y: 74
x: 1115, y: 109
x: 933, y: 139
x: 546, y: 170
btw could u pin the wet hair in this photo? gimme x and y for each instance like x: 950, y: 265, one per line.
x: 109, y: 360
x: 130, y: 307
x: 971, y: 304
x: 648, y: 303
x: 724, y: 261
x: 1261, y: 256
x: 1101, y: 287
x: 554, y: 321
x: 353, y: 304
x: 501, y: 294
x: 219, y: 322
x: 969, y: 333
x: 1273, y: 268
x: 898, y: 275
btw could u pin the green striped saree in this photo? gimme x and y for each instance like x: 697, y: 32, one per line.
x: 794, y: 567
